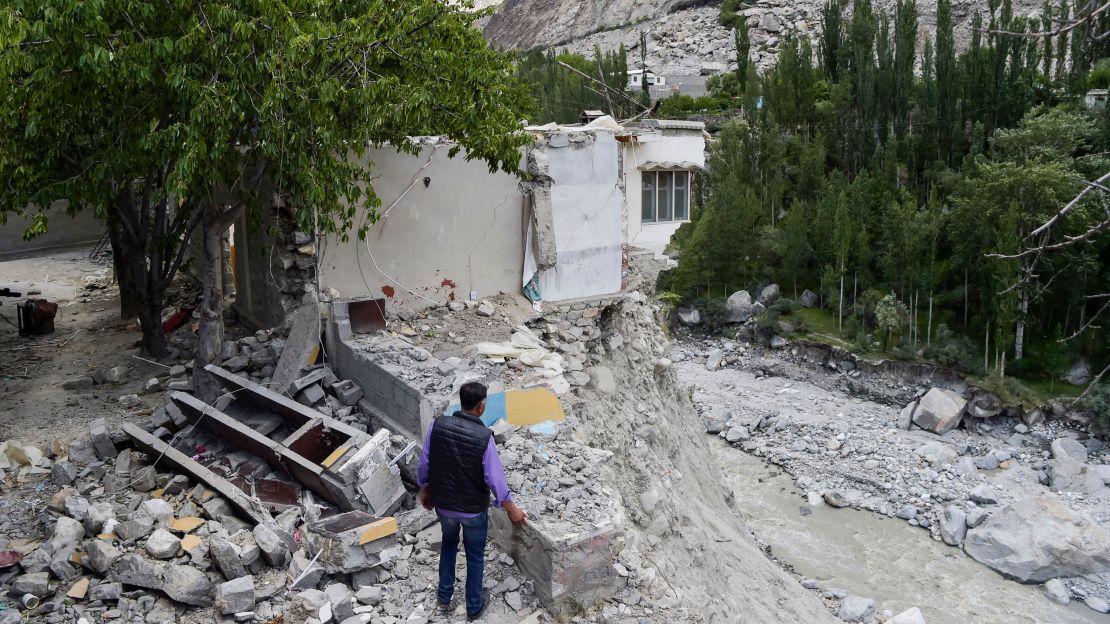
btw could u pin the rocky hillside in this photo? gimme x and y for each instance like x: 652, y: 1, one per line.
x: 686, y: 40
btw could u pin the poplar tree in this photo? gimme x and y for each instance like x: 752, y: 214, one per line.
x: 945, y: 76
x: 905, y: 54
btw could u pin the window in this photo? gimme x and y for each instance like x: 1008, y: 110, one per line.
x: 665, y: 196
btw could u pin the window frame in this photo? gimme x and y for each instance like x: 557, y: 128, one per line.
x: 674, y: 190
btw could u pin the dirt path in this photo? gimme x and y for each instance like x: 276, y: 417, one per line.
x: 88, y: 336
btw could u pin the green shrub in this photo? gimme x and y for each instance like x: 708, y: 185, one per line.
x: 1097, y: 402
x: 714, y: 314
x: 953, y: 351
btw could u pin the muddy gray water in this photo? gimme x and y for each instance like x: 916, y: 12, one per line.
x: 883, y: 558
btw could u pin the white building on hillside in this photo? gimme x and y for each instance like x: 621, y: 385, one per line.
x: 636, y: 77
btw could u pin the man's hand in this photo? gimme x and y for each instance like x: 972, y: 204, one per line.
x: 516, y: 514
x: 426, y: 498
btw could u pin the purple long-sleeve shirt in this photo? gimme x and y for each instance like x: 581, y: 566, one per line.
x: 492, y: 469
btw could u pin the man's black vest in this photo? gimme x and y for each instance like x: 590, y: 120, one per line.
x: 456, y: 480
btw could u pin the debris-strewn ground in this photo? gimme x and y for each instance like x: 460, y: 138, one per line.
x: 844, y: 451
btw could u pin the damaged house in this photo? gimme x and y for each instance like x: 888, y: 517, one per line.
x: 450, y: 230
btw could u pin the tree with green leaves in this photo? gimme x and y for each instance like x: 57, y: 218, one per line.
x: 171, y: 119
x: 945, y: 76
x: 832, y: 39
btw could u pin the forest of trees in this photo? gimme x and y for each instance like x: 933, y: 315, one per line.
x: 883, y: 170
x: 599, y: 83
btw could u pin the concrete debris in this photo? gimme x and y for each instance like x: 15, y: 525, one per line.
x: 235, y: 595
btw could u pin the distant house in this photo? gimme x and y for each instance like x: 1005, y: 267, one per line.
x: 1095, y: 98
x: 636, y: 77
x: 590, y: 115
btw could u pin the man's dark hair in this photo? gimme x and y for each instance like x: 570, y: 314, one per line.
x: 471, y: 394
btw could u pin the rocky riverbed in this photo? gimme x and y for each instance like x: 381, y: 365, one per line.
x: 988, y: 488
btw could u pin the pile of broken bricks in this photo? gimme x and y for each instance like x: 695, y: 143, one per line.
x: 152, y: 523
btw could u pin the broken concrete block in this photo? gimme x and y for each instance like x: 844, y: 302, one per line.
x: 226, y: 557
x: 135, y: 528
x: 235, y: 595
x: 106, y: 591
x: 116, y: 374
x: 146, y: 479
x: 302, y: 347
x: 311, y: 395
x: 163, y: 545
x: 303, y: 568
x: 129, y: 400
x: 102, y: 555
x: 139, y: 572
x: 382, y: 488
x: 101, y: 441
x: 297, y: 385
x: 187, y: 584
x: 157, y: 509
x: 350, y: 541
x: 273, y: 548
x: 347, y: 391
x: 97, y: 517
x: 36, y: 584
x: 67, y: 533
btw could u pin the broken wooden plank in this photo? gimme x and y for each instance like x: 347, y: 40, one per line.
x: 151, y: 445
x: 295, y: 414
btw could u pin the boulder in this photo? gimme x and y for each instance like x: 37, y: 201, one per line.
x: 713, y: 360
x: 712, y: 68
x: 1067, y: 448
x: 1072, y: 476
x: 769, y: 294
x: 937, y: 453
x: 808, y: 299
x: 187, y: 585
x: 984, y: 405
x: 909, y: 616
x: 953, y: 525
x: 740, y: 307
x: 982, y: 494
x: 1039, y: 538
x: 236, y: 595
x: 1078, y: 375
x: 905, y: 417
x: 939, y: 411
x: 1057, y: 591
x: 856, y: 608
x: 689, y: 316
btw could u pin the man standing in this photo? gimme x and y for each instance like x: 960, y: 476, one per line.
x: 459, y: 468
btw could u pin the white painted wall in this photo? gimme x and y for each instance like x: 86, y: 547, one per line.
x: 587, y: 204
x: 464, y: 229
x: 661, y: 146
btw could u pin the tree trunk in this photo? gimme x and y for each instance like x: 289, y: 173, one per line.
x: 1019, y: 331
x: 136, y: 274
x: 965, y: 298
x: 929, y: 331
x: 211, y: 333
x: 840, y: 307
x: 987, y: 348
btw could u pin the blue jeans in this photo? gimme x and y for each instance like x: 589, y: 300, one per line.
x: 474, y: 532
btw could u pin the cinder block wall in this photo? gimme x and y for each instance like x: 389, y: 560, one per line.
x: 401, y: 407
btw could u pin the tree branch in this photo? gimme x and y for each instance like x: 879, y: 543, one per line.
x: 1094, y: 382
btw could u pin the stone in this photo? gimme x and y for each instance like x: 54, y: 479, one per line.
x: 226, y: 557
x: 1072, y: 476
x: 1078, y: 375
x: 187, y: 585
x: 102, y: 555
x: 856, y: 608
x: 67, y: 533
x: 273, y: 547
x: 63, y: 473
x: 836, y: 498
x: 689, y: 316
x: 105, y: 591
x: 485, y: 308
x: 101, y: 441
x: 601, y: 379
x: 134, y: 529
x: 157, y: 509
x: 937, y: 453
x: 370, y: 595
x: 235, y: 595
x: 1039, y: 538
x: 311, y: 395
x: 1098, y: 604
x: 976, y: 516
x: 1067, y: 448
x: 1057, y: 591
x: 905, y: 417
x: 129, y: 400
x: 152, y: 385
x: 907, y: 512
x: 769, y: 294
x: 37, y: 584
x: 939, y: 411
x: 163, y: 545
x: 81, y: 382
x: 778, y: 342
x: 965, y: 466
x: 713, y: 360
x: 116, y: 374
x: 740, y: 307
x: 808, y: 299
x: 986, y: 462
x: 737, y: 434
x: 953, y: 525
x: 909, y: 616
x: 982, y: 494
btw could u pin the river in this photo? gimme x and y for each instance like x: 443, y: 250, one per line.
x: 882, y: 558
